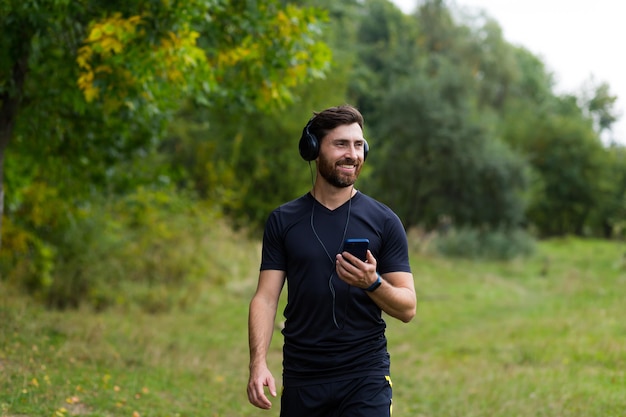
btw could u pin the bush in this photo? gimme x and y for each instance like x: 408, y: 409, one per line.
x: 151, y: 248
x: 489, y: 244
x: 147, y: 248
x: 27, y: 256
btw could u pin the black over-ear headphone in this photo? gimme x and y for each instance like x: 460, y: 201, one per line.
x: 310, y: 146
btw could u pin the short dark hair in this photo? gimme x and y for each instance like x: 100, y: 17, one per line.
x: 326, y: 120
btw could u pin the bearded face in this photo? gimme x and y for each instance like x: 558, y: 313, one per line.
x: 342, y: 173
x: 341, y: 155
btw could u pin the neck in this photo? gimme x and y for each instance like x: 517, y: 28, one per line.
x: 330, y: 196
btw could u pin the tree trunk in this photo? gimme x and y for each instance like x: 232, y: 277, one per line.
x: 9, y: 104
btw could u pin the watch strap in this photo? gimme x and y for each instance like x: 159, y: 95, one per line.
x: 376, y: 284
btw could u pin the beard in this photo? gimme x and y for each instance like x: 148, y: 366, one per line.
x: 328, y: 171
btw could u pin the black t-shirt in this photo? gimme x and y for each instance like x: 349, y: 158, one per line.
x: 332, y: 330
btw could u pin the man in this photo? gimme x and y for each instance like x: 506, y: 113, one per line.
x: 335, y: 359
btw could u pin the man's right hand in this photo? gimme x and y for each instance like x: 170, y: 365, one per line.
x: 261, y: 377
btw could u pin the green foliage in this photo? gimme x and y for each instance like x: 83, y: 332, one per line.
x: 461, y: 124
x: 28, y: 256
x: 609, y: 214
x: 95, y: 83
x: 103, y: 81
x: 450, y: 166
x: 139, y: 249
x: 569, y: 158
x: 218, y: 147
x: 26, y: 260
x: 245, y: 161
x: 430, y: 85
x: 386, y: 49
x: 600, y: 106
x: 151, y: 248
x: 204, y: 49
x: 534, y: 83
x: 488, y: 244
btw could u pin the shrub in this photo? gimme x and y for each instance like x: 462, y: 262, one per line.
x: 150, y: 248
x: 491, y: 244
x: 27, y: 256
x: 147, y: 248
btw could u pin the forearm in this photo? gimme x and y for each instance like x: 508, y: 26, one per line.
x: 398, y: 301
x: 260, y: 329
x: 261, y: 318
x: 396, y: 294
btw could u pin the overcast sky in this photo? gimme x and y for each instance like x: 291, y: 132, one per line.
x: 576, y: 39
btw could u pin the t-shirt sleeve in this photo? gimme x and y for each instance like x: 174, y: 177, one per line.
x: 394, y: 255
x: 273, y: 254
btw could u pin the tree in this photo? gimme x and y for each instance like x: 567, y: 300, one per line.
x: 386, y: 49
x: 598, y: 104
x: 98, y: 80
x: 568, y: 158
x: 610, y: 215
x: 425, y: 77
x: 436, y: 160
x: 215, y: 145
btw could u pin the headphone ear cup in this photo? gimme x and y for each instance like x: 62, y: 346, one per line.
x: 309, y: 145
x: 366, y: 149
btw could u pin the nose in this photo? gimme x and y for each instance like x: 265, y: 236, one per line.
x: 353, y: 151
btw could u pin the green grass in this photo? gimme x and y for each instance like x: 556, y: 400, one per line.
x: 544, y: 336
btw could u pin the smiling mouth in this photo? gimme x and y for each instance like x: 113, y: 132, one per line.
x: 349, y: 170
x: 347, y: 164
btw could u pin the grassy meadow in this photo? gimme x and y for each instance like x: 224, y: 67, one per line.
x: 544, y: 336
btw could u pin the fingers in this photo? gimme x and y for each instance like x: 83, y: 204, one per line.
x: 256, y: 392
x: 348, y: 263
x: 353, y: 271
x: 272, y: 387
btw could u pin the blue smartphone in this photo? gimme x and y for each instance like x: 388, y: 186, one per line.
x: 357, y: 247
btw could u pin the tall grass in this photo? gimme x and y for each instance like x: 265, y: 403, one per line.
x: 542, y: 336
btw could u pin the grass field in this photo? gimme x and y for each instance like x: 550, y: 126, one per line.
x: 544, y: 336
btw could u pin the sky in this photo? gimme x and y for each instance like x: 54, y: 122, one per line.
x: 578, y: 40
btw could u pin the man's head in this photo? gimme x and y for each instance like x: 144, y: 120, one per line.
x: 323, y: 122
x: 334, y: 139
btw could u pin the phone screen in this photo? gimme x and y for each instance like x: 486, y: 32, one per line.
x: 357, y: 247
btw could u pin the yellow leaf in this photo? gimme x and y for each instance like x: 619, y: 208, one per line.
x: 111, y: 44
x: 95, y: 34
x: 91, y: 93
x: 104, y: 68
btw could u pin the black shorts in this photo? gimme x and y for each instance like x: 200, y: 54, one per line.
x: 360, y: 397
